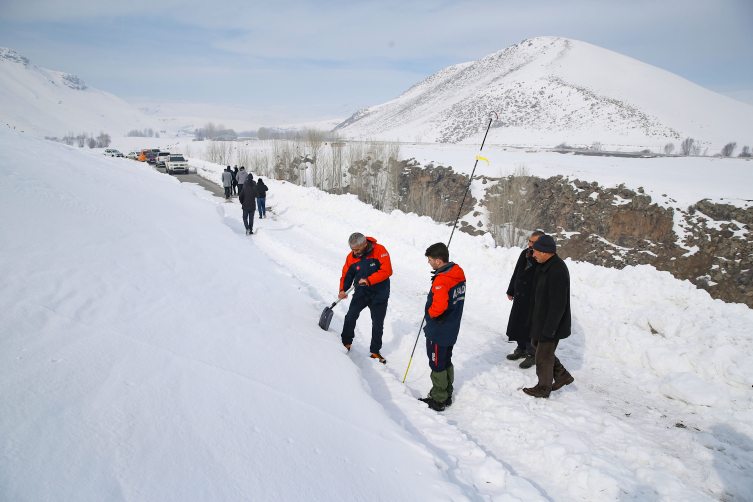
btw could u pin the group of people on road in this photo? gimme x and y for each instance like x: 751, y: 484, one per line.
x: 540, y: 315
x: 251, y: 194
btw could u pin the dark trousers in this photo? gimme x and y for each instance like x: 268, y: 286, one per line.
x: 439, y: 357
x: 442, y: 371
x: 378, y: 312
x: 549, y: 369
x: 525, y: 345
x: 227, y: 192
x: 248, y: 219
x: 262, y: 205
x: 235, y: 187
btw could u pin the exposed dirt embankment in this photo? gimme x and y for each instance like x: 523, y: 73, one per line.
x: 708, y: 244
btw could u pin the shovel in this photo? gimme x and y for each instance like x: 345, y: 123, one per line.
x: 327, y: 313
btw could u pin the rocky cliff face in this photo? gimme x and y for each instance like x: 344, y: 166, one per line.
x: 708, y: 244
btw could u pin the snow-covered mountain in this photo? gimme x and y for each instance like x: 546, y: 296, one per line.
x: 53, y: 103
x: 548, y: 90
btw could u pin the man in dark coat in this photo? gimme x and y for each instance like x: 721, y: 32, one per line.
x: 261, y: 202
x: 549, y: 317
x: 519, y: 292
x: 247, y: 198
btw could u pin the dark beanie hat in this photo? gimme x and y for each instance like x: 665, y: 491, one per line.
x: 545, y: 244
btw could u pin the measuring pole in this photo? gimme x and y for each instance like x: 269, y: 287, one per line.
x: 453, y: 233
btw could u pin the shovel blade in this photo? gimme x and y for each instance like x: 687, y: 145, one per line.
x: 325, y: 318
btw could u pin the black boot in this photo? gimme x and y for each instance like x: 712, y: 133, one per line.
x: 517, y: 354
x: 434, y: 405
x: 527, y: 362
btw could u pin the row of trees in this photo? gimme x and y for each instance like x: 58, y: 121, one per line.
x: 84, y: 139
x: 146, y: 133
x: 690, y: 146
x: 212, y: 131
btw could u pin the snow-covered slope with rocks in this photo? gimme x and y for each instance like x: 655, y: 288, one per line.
x: 53, y: 103
x: 549, y: 90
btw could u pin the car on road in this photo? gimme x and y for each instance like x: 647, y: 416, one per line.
x: 176, y: 163
x: 161, y: 158
x: 133, y: 155
x: 111, y: 152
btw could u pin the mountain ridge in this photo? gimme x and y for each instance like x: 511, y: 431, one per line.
x: 549, y: 90
x: 53, y: 103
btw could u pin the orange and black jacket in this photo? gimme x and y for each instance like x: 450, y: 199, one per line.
x: 444, y: 306
x: 374, y: 266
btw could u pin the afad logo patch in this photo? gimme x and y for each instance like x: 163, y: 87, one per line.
x: 358, y: 267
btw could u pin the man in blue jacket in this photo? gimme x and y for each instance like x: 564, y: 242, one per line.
x: 442, y: 314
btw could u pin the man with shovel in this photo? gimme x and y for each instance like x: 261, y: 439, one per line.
x: 369, y: 267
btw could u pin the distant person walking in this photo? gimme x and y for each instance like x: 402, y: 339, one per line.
x: 262, y: 189
x: 247, y: 197
x: 227, y: 181
x: 519, y: 292
x: 443, y: 312
x: 368, y: 266
x: 235, y: 180
x: 241, y: 178
x: 549, y: 317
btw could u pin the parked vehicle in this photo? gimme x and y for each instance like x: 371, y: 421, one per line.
x: 151, y: 157
x: 161, y: 158
x: 111, y: 152
x: 176, y: 163
x: 133, y: 155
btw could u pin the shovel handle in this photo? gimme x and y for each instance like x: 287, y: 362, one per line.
x: 347, y: 293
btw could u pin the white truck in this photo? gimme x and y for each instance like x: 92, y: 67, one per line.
x: 160, y: 159
x: 176, y: 163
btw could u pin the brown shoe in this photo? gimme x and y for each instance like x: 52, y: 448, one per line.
x: 535, y: 392
x: 566, y: 381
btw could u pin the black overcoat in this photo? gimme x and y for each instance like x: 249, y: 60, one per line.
x: 549, y: 313
x: 247, y: 196
x: 521, y: 285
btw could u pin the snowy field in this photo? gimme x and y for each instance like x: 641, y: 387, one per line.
x: 152, y: 351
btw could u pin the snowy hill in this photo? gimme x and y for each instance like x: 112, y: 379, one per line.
x: 549, y: 90
x: 52, y: 103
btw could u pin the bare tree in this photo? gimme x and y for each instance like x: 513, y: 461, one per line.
x: 103, y: 140
x: 92, y: 143
x: 513, y: 213
x: 596, y: 145
x: 744, y: 153
x: 210, y: 130
x: 669, y: 148
x: 81, y: 140
x: 313, y: 139
x: 729, y: 149
x: 687, y: 146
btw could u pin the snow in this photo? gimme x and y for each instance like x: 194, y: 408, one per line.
x: 549, y: 90
x: 52, y: 103
x: 151, y: 351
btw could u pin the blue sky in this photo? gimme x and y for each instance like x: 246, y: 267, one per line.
x: 303, y: 60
